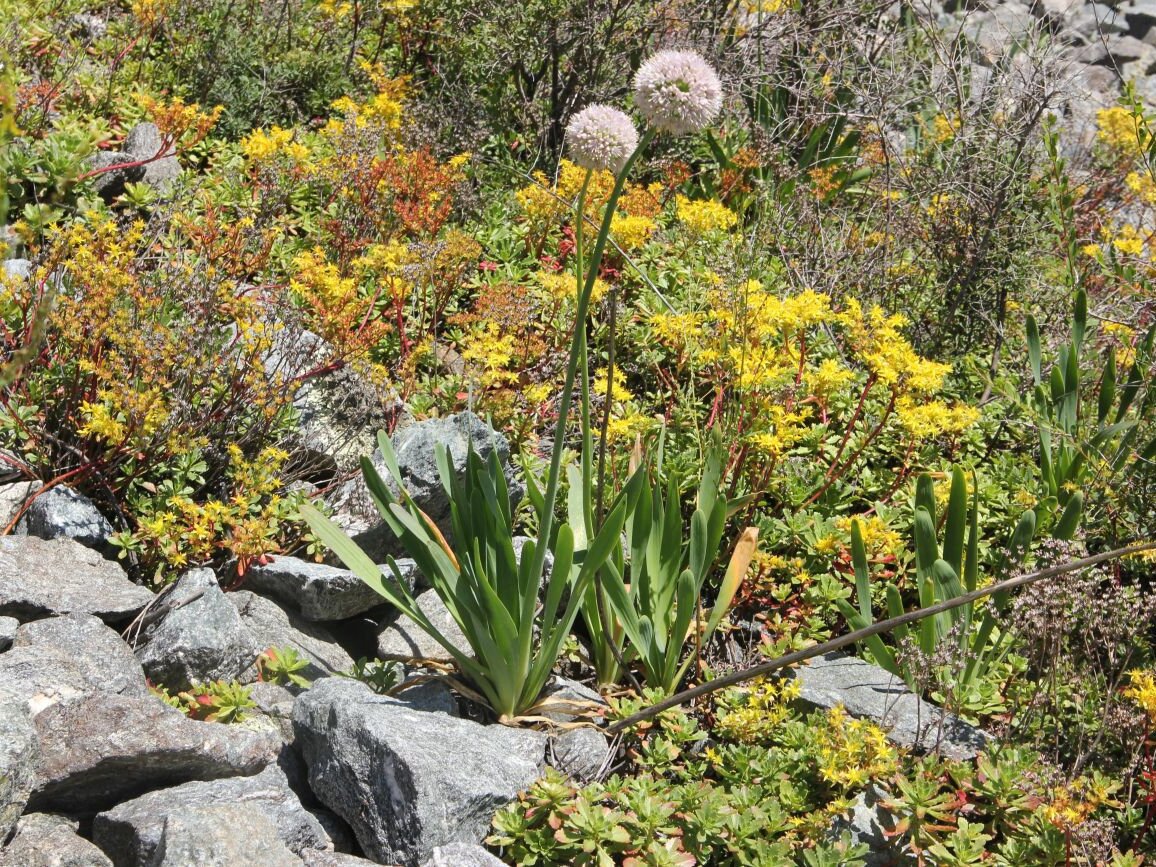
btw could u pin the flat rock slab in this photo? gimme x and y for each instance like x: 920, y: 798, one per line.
x: 41, y: 577
x: 93, y: 648
x: 222, y: 835
x: 46, y: 840
x: 131, y: 832
x: 317, y: 591
x: 409, y: 780
x: 868, y: 691
x: 102, y: 749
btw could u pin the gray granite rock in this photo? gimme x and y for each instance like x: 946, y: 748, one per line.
x: 197, y: 636
x: 317, y: 858
x: 21, y: 268
x: 869, y: 823
x: 415, y: 448
x: 39, y: 578
x: 401, y: 638
x: 144, y: 142
x: 61, y: 512
x: 270, y: 625
x: 107, y: 663
x: 580, y: 753
x: 222, y: 835
x: 339, y: 411
x: 13, y: 497
x: 461, y: 855
x: 409, y: 780
x: 100, y: 749
x: 317, y: 591
x: 7, y: 631
x: 115, y: 170
x: 868, y: 691
x: 18, y: 756
x: 47, y: 840
x: 131, y: 832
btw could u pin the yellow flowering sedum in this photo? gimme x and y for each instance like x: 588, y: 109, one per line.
x: 704, y: 216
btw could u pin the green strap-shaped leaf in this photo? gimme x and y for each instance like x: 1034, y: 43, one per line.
x: 955, y: 529
x: 926, y: 546
x: 1069, y: 521
x: 1107, y: 388
x: 1034, y: 355
x: 862, y: 571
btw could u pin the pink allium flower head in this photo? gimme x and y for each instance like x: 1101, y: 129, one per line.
x: 677, y: 91
x: 601, y: 137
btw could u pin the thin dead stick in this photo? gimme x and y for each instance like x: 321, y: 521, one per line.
x: 874, y: 629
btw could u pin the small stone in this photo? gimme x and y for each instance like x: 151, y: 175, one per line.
x: 39, y: 578
x: 867, y: 822
x: 199, y: 637
x: 47, y: 840
x: 144, y: 142
x: 61, y: 512
x: 317, y: 591
x: 409, y: 780
x: 222, y: 835
x: 401, y: 638
x: 100, y: 749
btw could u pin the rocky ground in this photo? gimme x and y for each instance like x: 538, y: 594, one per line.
x: 97, y: 770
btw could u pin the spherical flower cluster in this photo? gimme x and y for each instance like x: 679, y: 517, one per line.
x: 677, y: 91
x: 601, y: 137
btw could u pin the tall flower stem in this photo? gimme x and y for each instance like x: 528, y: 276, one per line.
x: 577, y: 342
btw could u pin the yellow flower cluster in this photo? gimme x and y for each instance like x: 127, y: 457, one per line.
x: 561, y: 286
x: 491, y: 354
x: 116, y: 413
x: 384, y: 108
x: 751, y: 714
x: 631, y: 232
x: 1070, y: 805
x: 851, y: 752
x: 880, y: 344
x: 1118, y: 128
x: 782, y: 430
x: 261, y: 146
x: 703, y: 216
x: 545, y: 203
x: 924, y: 419
x: 1142, y: 690
x: 879, y: 539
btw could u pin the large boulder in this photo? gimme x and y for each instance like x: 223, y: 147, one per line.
x: 18, y: 756
x: 61, y: 512
x: 319, y: 592
x: 100, y: 749
x: 131, y: 832
x: 47, y: 840
x: 196, y: 636
x: 39, y: 578
x: 870, y: 692
x: 222, y: 835
x: 415, y: 448
x: 409, y: 780
x: 270, y: 625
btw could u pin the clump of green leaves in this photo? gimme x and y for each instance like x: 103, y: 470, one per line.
x: 283, y: 666
x: 223, y: 701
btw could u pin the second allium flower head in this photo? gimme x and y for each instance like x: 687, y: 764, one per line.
x: 677, y: 91
x: 601, y: 137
